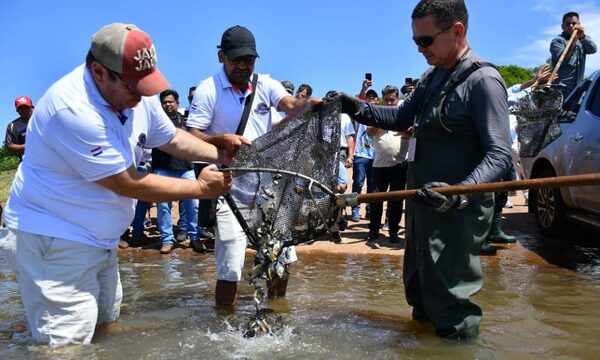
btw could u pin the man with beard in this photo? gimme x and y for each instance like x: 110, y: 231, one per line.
x: 215, y: 114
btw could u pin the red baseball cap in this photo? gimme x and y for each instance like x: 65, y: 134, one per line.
x: 128, y: 51
x: 23, y: 101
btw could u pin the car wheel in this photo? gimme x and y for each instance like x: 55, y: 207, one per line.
x: 548, y: 208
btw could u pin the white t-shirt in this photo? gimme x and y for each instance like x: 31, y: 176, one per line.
x: 74, y: 139
x: 347, y: 129
x: 390, y: 148
x: 217, y: 106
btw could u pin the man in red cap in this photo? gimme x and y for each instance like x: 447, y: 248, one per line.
x: 15, y: 132
x: 74, y: 193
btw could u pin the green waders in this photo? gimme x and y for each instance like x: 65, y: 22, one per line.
x: 441, y: 261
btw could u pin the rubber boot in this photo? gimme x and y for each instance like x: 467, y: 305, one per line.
x: 496, y: 234
x: 487, y: 249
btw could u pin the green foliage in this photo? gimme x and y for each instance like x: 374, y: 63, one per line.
x: 513, y: 74
x: 6, y: 178
x: 8, y: 161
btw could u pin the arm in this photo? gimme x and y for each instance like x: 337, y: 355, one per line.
x: 489, y: 111
x: 155, y: 188
x: 589, y: 47
x: 15, y: 148
x: 294, y: 107
x: 556, y: 48
x: 189, y: 147
x: 541, y: 76
x: 366, y: 84
x: 397, y: 118
x: 350, y: 157
x: 11, y: 139
x: 228, y: 142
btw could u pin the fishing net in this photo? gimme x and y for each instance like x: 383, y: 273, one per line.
x: 537, y: 119
x: 282, y: 192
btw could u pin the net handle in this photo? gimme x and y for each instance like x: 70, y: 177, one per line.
x: 500, y: 186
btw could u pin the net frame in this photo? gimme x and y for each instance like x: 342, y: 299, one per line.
x: 282, y: 194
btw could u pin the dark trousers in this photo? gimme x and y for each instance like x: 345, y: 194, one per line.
x: 393, y: 178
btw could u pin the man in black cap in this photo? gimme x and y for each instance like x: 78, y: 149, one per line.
x: 215, y: 114
x: 288, y: 86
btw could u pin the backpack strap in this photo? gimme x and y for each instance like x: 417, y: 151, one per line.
x: 449, y: 87
x: 454, y: 81
x: 247, y: 107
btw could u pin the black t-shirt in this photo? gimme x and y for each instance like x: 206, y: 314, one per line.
x: 15, y: 133
x: 164, y: 161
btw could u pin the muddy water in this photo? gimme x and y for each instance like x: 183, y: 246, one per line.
x: 344, y: 307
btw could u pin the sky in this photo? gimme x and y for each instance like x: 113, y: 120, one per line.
x: 327, y: 44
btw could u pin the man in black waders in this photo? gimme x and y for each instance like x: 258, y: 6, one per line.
x: 459, y: 114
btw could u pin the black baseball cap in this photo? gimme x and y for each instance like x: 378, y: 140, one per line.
x: 288, y: 86
x: 371, y: 92
x: 238, y: 41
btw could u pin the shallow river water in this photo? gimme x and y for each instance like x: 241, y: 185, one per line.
x: 337, y: 307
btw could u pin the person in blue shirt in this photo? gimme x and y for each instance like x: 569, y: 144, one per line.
x: 573, y: 66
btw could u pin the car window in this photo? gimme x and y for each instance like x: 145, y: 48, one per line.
x: 593, y: 104
x: 573, y: 101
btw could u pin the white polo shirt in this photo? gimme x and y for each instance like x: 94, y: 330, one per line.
x: 74, y: 138
x: 347, y: 129
x: 217, y: 106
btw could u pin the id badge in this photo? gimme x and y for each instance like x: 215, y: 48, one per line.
x: 412, y: 148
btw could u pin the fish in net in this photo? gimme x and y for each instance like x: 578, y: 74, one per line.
x: 537, y: 119
x: 282, y: 193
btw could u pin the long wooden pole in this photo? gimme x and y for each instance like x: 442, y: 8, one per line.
x: 501, y: 186
x: 562, y: 57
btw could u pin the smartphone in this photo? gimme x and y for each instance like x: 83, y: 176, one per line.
x: 368, y: 76
x: 408, y: 80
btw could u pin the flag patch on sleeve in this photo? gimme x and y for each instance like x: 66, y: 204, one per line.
x: 96, y: 151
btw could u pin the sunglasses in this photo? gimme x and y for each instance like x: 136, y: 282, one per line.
x: 118, y: 76
x: 428, y: 40
x: 248, y: 60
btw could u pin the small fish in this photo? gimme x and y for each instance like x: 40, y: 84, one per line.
x: 268, y: 193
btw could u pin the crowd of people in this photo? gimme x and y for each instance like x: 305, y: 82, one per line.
x: 84, y: 188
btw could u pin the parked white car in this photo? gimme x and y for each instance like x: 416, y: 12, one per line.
x: 576, y: 151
